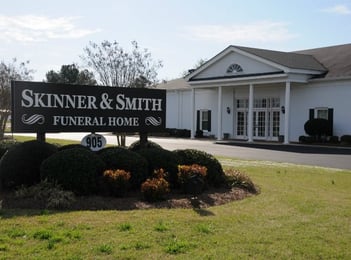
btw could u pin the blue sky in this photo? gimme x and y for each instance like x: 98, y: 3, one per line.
x: 177, y: 32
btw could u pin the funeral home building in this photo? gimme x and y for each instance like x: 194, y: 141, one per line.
x: 257, y: 94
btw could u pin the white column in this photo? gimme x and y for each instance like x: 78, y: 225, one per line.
x: 193, y: 114
x: 250, y: 116
x: 219, y: 114
x: 287, y: 113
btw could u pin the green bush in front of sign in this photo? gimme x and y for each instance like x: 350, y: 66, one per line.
x: 215, y: 174
x: 160, y: 158
x: 21, y: 164
x: 136, y: 146
x: 5, y: 145
x: 122, y: 158
x: 76, y: 169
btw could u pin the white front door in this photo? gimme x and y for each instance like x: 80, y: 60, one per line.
x: 260, y: 124
x: 266, y: 119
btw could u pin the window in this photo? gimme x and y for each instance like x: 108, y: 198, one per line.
x: 234, y: 68
x: 203, y: 120
x: 321, y: 113
x: 324, y: 113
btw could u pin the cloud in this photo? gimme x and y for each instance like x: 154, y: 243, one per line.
x: 338, y: 9
x: 31, y: 28
x: 261, y: 31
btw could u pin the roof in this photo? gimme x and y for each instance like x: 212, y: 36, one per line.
x: 337, y: 59
x: 288, y: 59
x: 332, y: 62
x: 175, y: 84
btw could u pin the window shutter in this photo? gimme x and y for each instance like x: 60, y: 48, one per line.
x: 330, y: 120
x: 311, y: 114
x: 197, y: 120
x: 209, y: 121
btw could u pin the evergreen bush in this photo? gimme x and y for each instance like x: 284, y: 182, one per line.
x: 124, y: 159
x: 75, y: 169
x: 21, y: 164
x: 70, y: 146
x: 5, y: 145
x: 345, y: 139
x: 136, y: 146
x: 215, y: 175
x: 161, y: 158
x: 317, y: 127
x: 192, y: 178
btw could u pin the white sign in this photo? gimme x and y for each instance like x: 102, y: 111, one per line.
x: 94, y: 142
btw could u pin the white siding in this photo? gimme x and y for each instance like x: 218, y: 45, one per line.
x: 334, y: 95
x: 178, y: 109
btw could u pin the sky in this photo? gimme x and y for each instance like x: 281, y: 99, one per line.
x: 177, y: 32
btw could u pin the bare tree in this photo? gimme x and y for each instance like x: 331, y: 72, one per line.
x: 10, y: 71
x: 117, y: 67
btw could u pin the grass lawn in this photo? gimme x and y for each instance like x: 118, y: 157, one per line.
x: 301, y: 213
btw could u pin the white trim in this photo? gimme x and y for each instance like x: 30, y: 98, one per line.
x: 193, y: 114
x: 287, y: 113
x: 232, y: 48
x: 279, y: 78
x: 250, y: 114
x: 219, y: 114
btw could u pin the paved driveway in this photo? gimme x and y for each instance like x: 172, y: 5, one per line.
x: 297, y: 154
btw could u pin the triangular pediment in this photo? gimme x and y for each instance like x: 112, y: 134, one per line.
x: 240, y: 62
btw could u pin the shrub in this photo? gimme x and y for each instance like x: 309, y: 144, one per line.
x: 121, y: 158
x: 192, y: 178
x: 215, y: 175
x: 306, y: 139
x: 334, y: 140
x: 116, y: 181
x: 136, y: 146
x: 51, y: 194
x: 238, y: 179
x: 345, y: 139
x: 70, y: 146
x: 199, y: 134
x: 155, y: 188
x: 21, y: 164
x: 161, y: 158
x: 5, y: 145
x: 75, y: 169
x: 178, y: 132
x: 317, y: 127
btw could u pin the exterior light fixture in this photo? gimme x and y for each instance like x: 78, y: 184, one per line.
x: 283, y: 109
x: 228, y: 110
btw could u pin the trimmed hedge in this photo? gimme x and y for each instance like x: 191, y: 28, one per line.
x: 124, y: 159
x: 161, y: 158
x: 76, y: 169
x: 71, y: 146
x: 136, y: 146
x: 215, y: 175
x: 317, y: 127
x: 345, y: 139
x: 5, y: 145
x: 21, y: 164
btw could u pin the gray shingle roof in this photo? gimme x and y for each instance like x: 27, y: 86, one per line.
x: 288, y: 59
x: 337, y: 59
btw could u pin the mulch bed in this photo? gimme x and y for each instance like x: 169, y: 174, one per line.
x: 212, y: 197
